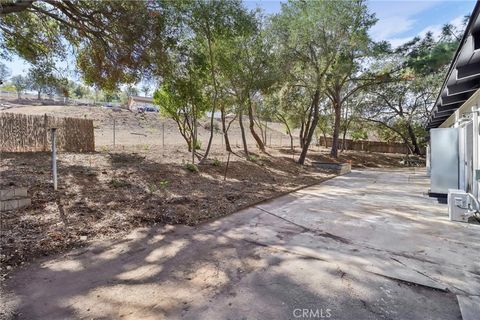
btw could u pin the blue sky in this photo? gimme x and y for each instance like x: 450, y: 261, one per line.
x: 398, y: 21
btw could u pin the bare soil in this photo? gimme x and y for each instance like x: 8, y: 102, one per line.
x: 142, y: 182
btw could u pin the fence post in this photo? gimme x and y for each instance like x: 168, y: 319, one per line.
x: 114, y: 122
x: 54, y: 157
x: 45, y: 128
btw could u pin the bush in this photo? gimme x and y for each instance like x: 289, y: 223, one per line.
x: 252, y: 158
x: 191, y: 167
x: 216, y: 127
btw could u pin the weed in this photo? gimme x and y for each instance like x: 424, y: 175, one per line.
x: 104, y: 149
x: 164, y: 184
x: 253, y: 158
x: 216, y: 163
x: 119, y: 183
x: 146, y: 147
x: 151, y: 130
x: 198, y: 145
x: 191, y: 167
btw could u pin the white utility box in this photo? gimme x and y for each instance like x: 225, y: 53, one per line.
x: 458, y: 205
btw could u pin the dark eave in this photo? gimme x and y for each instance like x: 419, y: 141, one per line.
x: 463, y: 77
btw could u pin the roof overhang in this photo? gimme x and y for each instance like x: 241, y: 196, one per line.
x: 463, y: 77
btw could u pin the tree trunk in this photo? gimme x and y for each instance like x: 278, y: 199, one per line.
x: 215, y: 96
x: 289, y: 132
x: 300, y: 136
x: 343, y: 139
x: 311, y: 128
x: 291, y: 142
x: 188, y: 141
x: 207, y: 150
x: 413, y: 138
x: 242, y: 129
x: 224, y: 130
x: 260, y: 127
x: 345, y: 128
x: 194, y: 136
x: 336, y: 128
x: 39, y: 95
x: 252, y: 124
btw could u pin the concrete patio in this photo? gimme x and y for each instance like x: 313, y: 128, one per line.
x: 366, y: 245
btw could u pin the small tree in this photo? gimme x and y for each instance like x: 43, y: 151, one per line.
x: 80, y: 91
x: 131, y: 91
x: 313, y: 40
x: 42, y: 78
x: 182, y: 102
x: 246, y: 65
x: 20, y: 83
x: 403, y: 107
x: 145, y: 89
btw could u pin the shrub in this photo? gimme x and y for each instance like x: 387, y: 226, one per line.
x: 216, y: 163
x: 216, y: 127
x: 252, y: 158
x: 191, y: 167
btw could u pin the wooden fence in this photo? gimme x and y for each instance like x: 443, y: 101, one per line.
x: 31, y: 133
x: 370, y: 146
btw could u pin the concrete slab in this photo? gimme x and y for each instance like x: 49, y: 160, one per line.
x: 366, y: 245
x: 469, y: 307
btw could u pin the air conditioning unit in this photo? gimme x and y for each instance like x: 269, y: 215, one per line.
x: 460, y: 205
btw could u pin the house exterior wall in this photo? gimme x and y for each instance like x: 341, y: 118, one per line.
x: 137, y: 102
x: 466, y: 120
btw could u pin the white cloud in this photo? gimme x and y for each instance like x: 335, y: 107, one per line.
x: 396, y: 42
x: 395, y: 25
x: 435, y: 29
x: 396, y: 17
